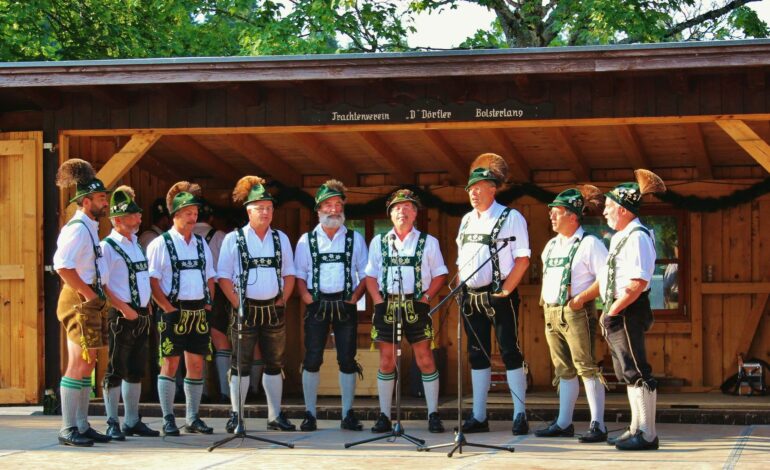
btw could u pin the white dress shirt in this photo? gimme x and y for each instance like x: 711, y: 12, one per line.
x: 119, y: 271
x: 332, y: 275
x: 190, y: 282
x: 432, y: 261
x: 590, y: 257
x: 636, y: 259
x: 75, y: 249
x: 149, y: 235
x: 472, y: 254
x: 262, y: 283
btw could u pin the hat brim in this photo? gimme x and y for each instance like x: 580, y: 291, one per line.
x: 198, y: 204
x: 622, y: 203
x: 473, y: 181
x: 82, y: 195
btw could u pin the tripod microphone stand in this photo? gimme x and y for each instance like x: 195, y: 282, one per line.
x: 240, y: 430
x: 398, y: 429
x: 459, y: 440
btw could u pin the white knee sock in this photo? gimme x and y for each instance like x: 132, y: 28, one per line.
x: 273, y: 385
x: 166, y: 392
x: 633, y: 426
x: 595, y: 397
x: 85, y: 399
x: 234, y: 393
x: 69, y: 389
x: 111, y: 402
x: 310, y: 381
x: 481, y: 379
x: 348, y: 390
x: 431, y: 385
x: 517, y: 382
x: 131, y: 393
x: 568, y: 393
x: 193, y: 390
x: 386, y: 383
x: 222, y: 360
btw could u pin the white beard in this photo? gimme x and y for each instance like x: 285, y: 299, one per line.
x: 332, y: 222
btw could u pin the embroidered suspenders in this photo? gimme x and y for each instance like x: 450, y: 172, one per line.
x: 414, y: 261
x: 248, y: 262
x: 319, y: 258
x: 178, y: 265
x: 485, y: 239
x: 97, y: 254
x: 134, y: 267
x: 609, y: 295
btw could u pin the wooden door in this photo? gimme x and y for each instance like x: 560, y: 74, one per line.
x: 21, y: 240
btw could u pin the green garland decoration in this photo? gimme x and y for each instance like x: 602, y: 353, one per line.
x: 508, y: 195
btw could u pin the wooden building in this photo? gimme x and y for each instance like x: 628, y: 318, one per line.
x: 698, y: 114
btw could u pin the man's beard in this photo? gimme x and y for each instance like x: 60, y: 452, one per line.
x: 331, y: 221
x: 98, y: 214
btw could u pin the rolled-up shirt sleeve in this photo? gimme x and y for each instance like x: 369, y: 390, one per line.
x: 157, y: 259
x: 227, y: 255
x: 71, y: 246
x: 518, y: 228
x: 435, y: 259
x: 374, y: 263
x: 360, y: 256
x: 640, y: 256
x: 302, y: 258
x: 287, y: 263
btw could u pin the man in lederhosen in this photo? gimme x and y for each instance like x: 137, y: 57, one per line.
x: 492, y: 301
x: 182, y: 275
x: 129, y: 318
x: 415, y: 257
x: 161, y: 221
x: 82, y: 306
x: 256, y: 264
x: 220, y: 312
x: 330, y: 262
x: 571, y: 261
x: 624, y: 284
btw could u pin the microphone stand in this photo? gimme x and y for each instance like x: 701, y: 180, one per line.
x: 398, y: 429
x: 459, y: 441
x: 240, y: 430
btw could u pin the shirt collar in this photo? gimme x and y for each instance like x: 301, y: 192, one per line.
x: 412, y: 233
x: 631, y: 225
x: 575, y: 236
x: 175, y: 234
x: 80, y: 215
x: 340, y: 232
x: 203, y: 225
x: 247, y: 228
x: 490, y: 212
x: 118, y: 237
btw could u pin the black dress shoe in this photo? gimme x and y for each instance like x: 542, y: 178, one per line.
x: 434, y: 423
x: 198, y: 426
x: 611, y: 441
x: 309, y: 423
x: 554, y: 430
x: 139, y: 429
x: 96, y: 436
x: 382, y: 424
x: 637, y: 442
x: 351, y: 422
x: 594, y: 434
x: 169, y: 426
x: 281, y: 423
x: 520, y: 425
x: 71, y: 437
x: 472, y: 425
x: 232, y: 423
x: 113, y: 430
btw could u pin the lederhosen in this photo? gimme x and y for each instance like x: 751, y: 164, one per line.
x: 220, y: 309
x: 331, y: 310
x: 263, y: 322
x: 624, y: 332
x: 484, y: 312
x: 188, y: 329
x: 129, y: 339
x: 85, y: 322
x: 417, y: 325
x: 569, y: 333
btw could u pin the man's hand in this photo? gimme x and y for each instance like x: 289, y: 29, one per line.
x: 575, y: 303
x: 129, y: 313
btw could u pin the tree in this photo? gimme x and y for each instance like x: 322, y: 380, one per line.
x: 539, y: 23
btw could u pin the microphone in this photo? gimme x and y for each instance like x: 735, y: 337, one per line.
x: 504, y: 240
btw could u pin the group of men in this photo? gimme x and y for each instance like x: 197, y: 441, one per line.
x: 235, y: 299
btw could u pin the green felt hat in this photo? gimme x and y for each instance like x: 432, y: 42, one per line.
x: 184, y: 199
x: 93, y: 186
x: 482, y: 174
x: 571, y: 199
x: 122, y: 202
x: 327, y: 191
x: 628, y: 195
x: 258, y: 192
x: 402, y: 195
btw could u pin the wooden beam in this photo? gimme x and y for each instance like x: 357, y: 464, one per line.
x: 315, y: 149
x: 632, y: 146
x: 567, y: 150
x: 250, y: 148
x: 153, y: 164
x: 716, y: 288
x: 192, y: 149
x: 697, y: 146
x: 748, y: 140
x: 500, y: 143
x: 120, y: 163
x: 374, y: 144
x: 455, y: 164
x: 750, y: 327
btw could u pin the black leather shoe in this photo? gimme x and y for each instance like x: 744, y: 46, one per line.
x: 113, y: 430
x: 611, y: 441
x: 309, y: 423
x: 351, y: 422
x: 232, y: 423
x: 553, y: 430
x: 594, y: 434
x: 520, y: 425
x: 198, y: 426
x: 472, y: 425
x: 96, y: 436
x: 434, y: 423
x: 281, y: 423
x: 637, y: 442
x: 382, y: 424
x: 71, y: 437
x: 169, y: 426
x: 139, y: 429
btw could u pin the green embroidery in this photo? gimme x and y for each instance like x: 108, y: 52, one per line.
x: 485, y: 239
x: 320, y: 258
x: 563, y: 262
x: 178, y: 265
x: 97, y: 254
x: 609, y: 294
x: 134, y: 267
x: 415, y: 262
x: 248, y: 263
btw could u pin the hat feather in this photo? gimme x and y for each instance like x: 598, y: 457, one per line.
x: 74, y: 171
x: 181, y: 186
x: 336, y: 185
x: 649, y: 182
x: 126, y: 189
x: 593, y: 198
x: 496, y: 164
x: 243, y: 187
